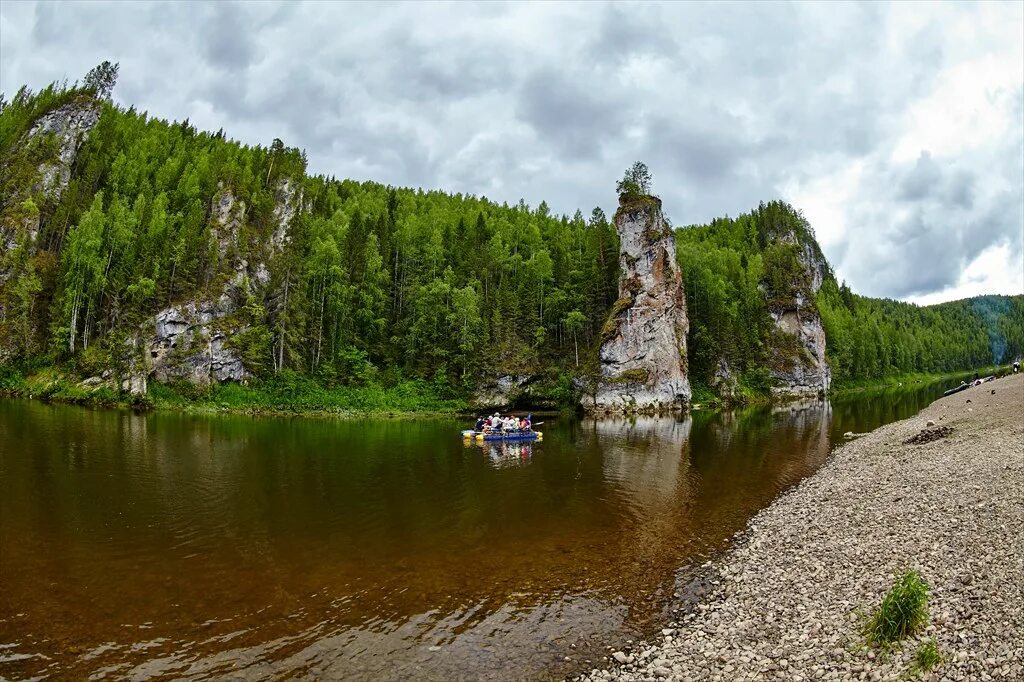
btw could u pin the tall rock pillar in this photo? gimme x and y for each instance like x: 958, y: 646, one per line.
x: 643, y: 347
x: 796, y: 359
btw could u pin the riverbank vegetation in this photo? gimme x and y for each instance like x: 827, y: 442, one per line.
x: 287, y: 393
x: 366, y: 296
x: 903, y: 612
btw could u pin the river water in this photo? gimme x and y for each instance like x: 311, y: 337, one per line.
x: 134, y: 546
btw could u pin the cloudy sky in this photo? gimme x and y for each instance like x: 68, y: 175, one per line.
x: 897, y: 129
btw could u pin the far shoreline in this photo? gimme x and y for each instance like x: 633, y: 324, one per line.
x: 50, y: 386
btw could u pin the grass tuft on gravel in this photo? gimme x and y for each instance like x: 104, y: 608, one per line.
x: 926, y: 657
x: 903, y: 612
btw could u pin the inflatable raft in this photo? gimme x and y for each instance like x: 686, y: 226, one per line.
x: 505, y: 435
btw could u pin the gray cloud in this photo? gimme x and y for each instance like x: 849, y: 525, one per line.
x: 728, y: 104
x: 921, y: 180
x: 567, y: 115
x: 228, y: 37
x: 628, y: 31
x: 924, y: 228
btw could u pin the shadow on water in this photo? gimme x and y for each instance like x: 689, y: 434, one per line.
x: 167, y: 544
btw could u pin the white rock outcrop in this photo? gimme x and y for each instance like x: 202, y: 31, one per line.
x: 190, y: 341
x: 70, y: 124
x: 189, y: 344
x: 643, y: 351
x: 803, y: 369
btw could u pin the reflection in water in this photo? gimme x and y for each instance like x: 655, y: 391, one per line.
x: 138, y: 545
x: 505, y: 453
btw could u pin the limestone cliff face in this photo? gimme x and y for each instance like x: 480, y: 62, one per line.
x: 798, y: 364
x: 643, y: 350
x: 189, y: 343
x: 69, y: 125
x: 190, y: 340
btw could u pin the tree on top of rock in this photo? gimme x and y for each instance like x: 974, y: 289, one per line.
x: 102, y: 79
x: 636, y: 181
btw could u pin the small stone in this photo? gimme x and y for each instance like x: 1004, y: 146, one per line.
x: 620, y: 657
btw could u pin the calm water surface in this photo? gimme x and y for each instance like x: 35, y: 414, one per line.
x: 150, y: 545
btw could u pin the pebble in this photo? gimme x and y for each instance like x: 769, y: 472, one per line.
x: 787, y: 601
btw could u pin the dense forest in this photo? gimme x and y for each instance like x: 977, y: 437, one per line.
x: 732, y: 267
x: 377, y: 285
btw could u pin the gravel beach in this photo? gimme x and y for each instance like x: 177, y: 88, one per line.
x: 788, y: 601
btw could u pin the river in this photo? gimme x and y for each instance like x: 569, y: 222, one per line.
x: 177, y: 545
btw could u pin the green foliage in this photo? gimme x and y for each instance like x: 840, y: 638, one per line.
x: 377, y: 285
x: 11, y: 380
x: 297, y: 393
x: 903, y: 612
x: 734, y: 271
x: 51, y: 384
x: 564, y: 392
x: 635, y: 182
x: 737, y: 270
x: 756, y: 381
x: 411, y: 280
x: 702, y: 394
x: 872, y: 338
x: 926, y: 657
x: 102, y: 78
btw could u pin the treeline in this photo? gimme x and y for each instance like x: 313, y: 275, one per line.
x: 372, y: 279
x: 376, y: 284
x: 872, y: 337
x: 736, y: 269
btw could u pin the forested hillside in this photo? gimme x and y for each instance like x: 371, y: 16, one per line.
x: 374, y: 282
x: 351, y: 283
x: 731, y: 267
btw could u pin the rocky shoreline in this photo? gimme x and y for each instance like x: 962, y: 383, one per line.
x: 789, y: 600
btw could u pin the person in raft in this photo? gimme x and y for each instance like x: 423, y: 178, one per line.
x: 503, y: 424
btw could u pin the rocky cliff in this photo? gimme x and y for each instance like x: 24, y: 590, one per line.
x: 69, y: 124
x: 191, y: 340
x: 797, y: 356
x: 54, y: 140
x: 643, y: 348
